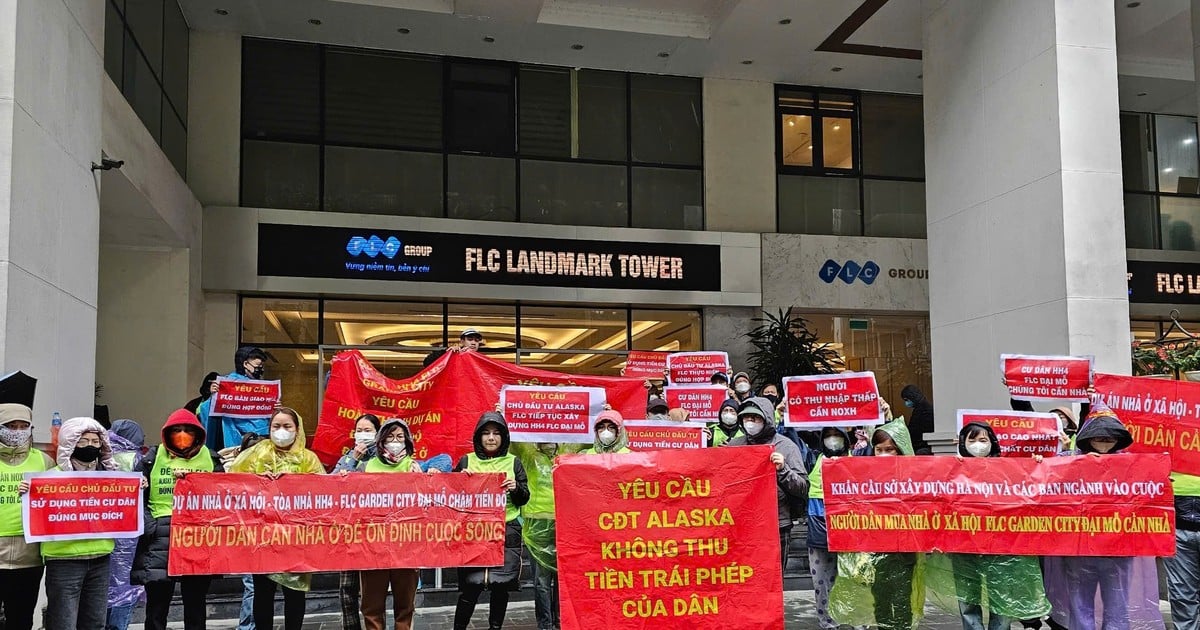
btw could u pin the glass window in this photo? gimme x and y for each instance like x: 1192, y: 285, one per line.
x: 797, y: 140
x: 602, y: 115
x: 296, y: 369
x: 838, y: 143
x: 496, y: 322
x: 379, y: 181
x: 894, y: 208
x: 572, y: 113
x: 145, y: 19
x: 667, y: 331
x: 412, y: 325
x: 1177, y: 157
x: 1180, y: 219
x: 281, y: 95
x: 893, y: 135
x: 567, y: 193
x: 668, y: 198
x: 174, y: 139
x: 175, y: 58
x: 819, y: 205
x: 281, y: 175
x: 1140, y: 227
x: 142, y: 90
x: 383, y: 100
x: 279, y: 321
x: 114, y: 43
x: 481, y: 188
x: 547, y: 124
x: 546, y: 329
x: 1137, y: 152
x: 481, y: 109
x: 895, y: 348
x: 666, y: 125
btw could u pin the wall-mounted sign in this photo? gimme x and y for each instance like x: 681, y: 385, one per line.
x: 310, y: 251
x: 1163, y: 282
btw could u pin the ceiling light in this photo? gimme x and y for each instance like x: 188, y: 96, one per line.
x: 810, y: 147
x: 1187, y: 141
x: 837, y: 127
x: 1169, y: 169
x: 791, y: 123
x: 403, y: 31
x: 220, y: 11
x: 664, y: 54
x: 489, y: 39
x: 746, y: 62
x: 576, y: 46
x: 785, y: 21
x: 836, y: 69
x: 315, y: 22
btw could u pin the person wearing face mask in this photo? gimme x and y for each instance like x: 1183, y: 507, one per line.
x: 1007, y: 587
x: 757, y: 416
x: 181, y: 452
x: 283, y: 452
x: 366, y: 427
x: 20, y: 562
x: 223, y: 432
x: 822, y: 563
x: 491, y: 455
x: 920, y: 419
x: 77, y: 570
x: 742, y: 391
x: 609, y: 429
x: 657, y: 409
x: 727, y: 427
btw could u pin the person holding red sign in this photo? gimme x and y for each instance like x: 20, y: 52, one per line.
x: 609, y: 429
x: 822, y: 563
x: 20, y: 562
x: 225, y: 432
x: 491, y: 455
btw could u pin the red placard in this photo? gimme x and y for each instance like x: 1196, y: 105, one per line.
x: 1019, y: 433
x: 551, y: 414
x: 702, y: 402
x: 240, y: 523
x: 74, y: 505
x: 653, y: 435
x: 1112, y: 505
x: 693, y: 368
x: 646, y: 364
x: 1162, y: 415
x: 669, y: 540
x: 239, y: 398
x: 847, y: 399
x: 1031, y: 377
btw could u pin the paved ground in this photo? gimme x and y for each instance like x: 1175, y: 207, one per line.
x: 798, y: 615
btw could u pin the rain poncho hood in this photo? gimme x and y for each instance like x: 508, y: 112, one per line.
x: 970, y: 428
x: 386, y: 430
x: 835, y: 431
x: 490, y: 417
x: 68, y: 438
x: 10, y: 412
x: 183, y: 418
x: 898, y: 431
x: 1102, y: 422
x: 263, y: 457
x: 613, y: 416
x: 127, y: 435
x: 759, y: 406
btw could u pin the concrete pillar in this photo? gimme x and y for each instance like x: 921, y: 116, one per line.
x: 739, y: 156
x: 215, y: 117
x: 1024, y: 204
x: 50, y: 108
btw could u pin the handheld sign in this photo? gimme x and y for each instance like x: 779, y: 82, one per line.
x: 652, y: 435
x: 1031, y: 377
x: 644, y: 364
x: 692, y: 368
x: 848, y: 399
x: 702, y: 402
x: 550, y: 414
x: 240, y: 398
x: 72, y: 506
x: 1019, y: 433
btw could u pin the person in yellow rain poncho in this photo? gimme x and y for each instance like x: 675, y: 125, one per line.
x: 283, y: 453
x: 886, y: 590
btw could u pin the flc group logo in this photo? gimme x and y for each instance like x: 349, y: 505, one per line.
x: 849, y: 272
x: 373, y: 246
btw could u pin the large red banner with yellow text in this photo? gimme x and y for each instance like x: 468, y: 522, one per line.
x: 1113, y: 505
x: 669, y: 540
x: 239, y: 523
x: 442, y: 403
x: 1162, y: 415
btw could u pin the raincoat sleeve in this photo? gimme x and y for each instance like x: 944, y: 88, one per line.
x: 879, y: 589
x: 1004, y: 585
x: 347, y: 463
x: 520, y: 494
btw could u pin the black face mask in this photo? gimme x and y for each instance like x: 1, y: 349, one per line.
x: 774, y: 398
x: 86, y: 454
x: 255, y: 373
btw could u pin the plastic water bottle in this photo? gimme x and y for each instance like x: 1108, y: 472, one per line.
x: 55, y: 425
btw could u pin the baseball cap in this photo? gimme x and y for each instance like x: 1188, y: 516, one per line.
x: 656, y: 402
x: 470, y: 332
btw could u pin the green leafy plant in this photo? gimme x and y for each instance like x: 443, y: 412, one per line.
x: 784, y: 346
x: 1149, y: 359
x: 1185, y: 357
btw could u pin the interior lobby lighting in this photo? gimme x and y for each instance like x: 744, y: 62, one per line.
x: 1187, y: 141
x: 1169, y: 169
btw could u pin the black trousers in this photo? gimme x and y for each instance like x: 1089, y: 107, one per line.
x: 264, y: 605
x: 468, y: 596
x: 193, y: 588
x: 19, y: 590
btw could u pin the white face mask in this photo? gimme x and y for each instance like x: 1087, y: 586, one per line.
x: 729, y: 418
x: 283, y: 438
x: 364, y: 437
x: 607, y: 436
x: 396, y: 449
x: 835, y: 443
x: 753, y: 427
x: 661, y: 417
x: 979, y: 449
x: 742, y: 387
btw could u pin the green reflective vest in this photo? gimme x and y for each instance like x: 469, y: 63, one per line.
x: 719, y: 436
x: 1185, y: 485
x: 541, y: 487
x: 162, y: 477
x: 504, y: 464
x: 10, y: 501
x: 815, y: 489
x: 376, y: 466
x: 85, y: 548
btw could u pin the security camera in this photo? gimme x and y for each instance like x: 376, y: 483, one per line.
x: 107, y: 164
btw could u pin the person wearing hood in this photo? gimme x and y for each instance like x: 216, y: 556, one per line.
x: 182, y: 451
x: 726, y: 427
x: 129, y: 444
x: 608, y: 430
x: 283, y: 453
x: 1008, y: 587
x: 208, y: 387
x: 20, y: 562
x: 920, y: 420
x: 223, y: 432
x: 757, y: 417
x: 77, y: 570
x: 365, y: 432
x: 822, y: 563
x: 742, y: 390
x: 490, y: 443
x: 657, y: 409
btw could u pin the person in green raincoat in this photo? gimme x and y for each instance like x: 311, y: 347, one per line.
x: 609, y: 429
x: 886, y: 590
x: 727, y: 426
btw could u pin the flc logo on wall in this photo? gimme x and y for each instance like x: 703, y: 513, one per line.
x: 373, y: 246
x: 866, y: 273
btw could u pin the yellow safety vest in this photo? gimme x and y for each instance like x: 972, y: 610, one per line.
x: 504, y: 464
x: 815, y: 489
x: 376, y: 466
x: 162, y: 477
x: 10, y: 501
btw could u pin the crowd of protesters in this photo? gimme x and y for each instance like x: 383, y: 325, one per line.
x: 96, y: 583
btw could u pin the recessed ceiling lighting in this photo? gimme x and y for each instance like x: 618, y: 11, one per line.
x: 837, y: 127
x: 791, y: 123
x: 664, y: 54
x: 220, y: 11
x: 489, y: 39
x: 836, y: 69
x: 785, y: 21
x: 403, y: 31
x: 1189, y: 141
x: 1169, y: 169
x: 1134, y: 5
x: 746, y: 62
x: 576, y: 46
x: 315, y: 22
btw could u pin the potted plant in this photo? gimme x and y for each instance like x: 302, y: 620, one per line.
x: 1152, y: 360
x: 784, y: 346
x: 1186, y: 358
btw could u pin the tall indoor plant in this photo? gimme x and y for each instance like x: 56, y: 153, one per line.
x: 784, y: 346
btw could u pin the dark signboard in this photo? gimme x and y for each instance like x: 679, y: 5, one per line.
x: 309, y: 251
x: 1163, y: 282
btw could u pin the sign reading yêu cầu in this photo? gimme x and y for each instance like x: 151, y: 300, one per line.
x: 352, y: 253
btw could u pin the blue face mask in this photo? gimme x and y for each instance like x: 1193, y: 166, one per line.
x: 908, y: 403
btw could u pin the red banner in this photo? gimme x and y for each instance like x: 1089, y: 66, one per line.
x: 1162, y: 415
x: 1112, y: 505
x: 702, y: 402
x: 72, y: 505
x: 645, y: 364
x: 669, y: 540
x: 696, y: 368
x: 1019, y: 433
x: 1031, y: 377
x: 239, y: 523
x: 653, y: 435
x: 236, y: 398
x: 847, y: 399
x: 443, y: 402
x: 551, y: 414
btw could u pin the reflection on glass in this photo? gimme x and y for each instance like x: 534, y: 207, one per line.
x: 481, y: 188
x: 837, y: 142
x: 797, y: 140
x: 1137, y: 152
x: 547, y: 328
x: 565, y: 193
x: 893, y: 135
x: 668, y: 198
x: 1177, y: 157
x: 819, y: 205
x: 668, y: 331
x: 894, y: 208
x: 280, y: 175
x: 1139, y: 221
x: 279, y: 321
x: 411, y: 325
x: 895, y: 348
x: 1180, y: 218
x: 297, y: 371
x: 379, y: 181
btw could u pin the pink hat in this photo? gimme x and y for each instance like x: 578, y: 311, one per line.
x: 612, y: 415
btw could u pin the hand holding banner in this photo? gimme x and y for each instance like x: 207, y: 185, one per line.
x: 1020, y: 433
x: 847, y: 399
x: 644, y: 364
x: 702, y: 402
x: 695, y: 368
x: 240, y: 398
x: 652, y: 435
x: 73, y: 505
x: 1032, y: 377
x: 551, y: 414
x: 1162, y: 416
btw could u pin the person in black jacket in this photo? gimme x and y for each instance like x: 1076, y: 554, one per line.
x: 920, y: 420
